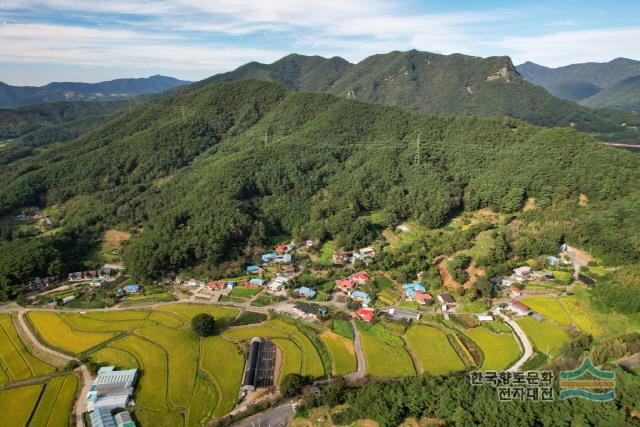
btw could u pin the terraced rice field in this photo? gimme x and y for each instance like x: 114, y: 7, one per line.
x: 223, y: 315
x: 224, y: 363
x: 434, y: 352
x: 500, y: 350
x: 547, y: 337
x: 112, y: 356
x: 548, y: 307
x: 116, y: 321
x: 292, y: 357
x: 580, y: 314
x: 58, y: 334
x: 342, y: 353
x: 16, y: 362
x: 384, y: 360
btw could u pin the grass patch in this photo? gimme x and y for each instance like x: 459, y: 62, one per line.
x: 434, y: 351
x: 500, y: 350
x: 249, y: 318
x: 383, y: 282
x: 342, y: 353
x: 381, y: 333
x: 327, y: 251
x: 343, y: 327
x: 477, y: 306
x: 244, y: 291
x: 266, y: 300
x: 546, y: 336
x: 498, y: 327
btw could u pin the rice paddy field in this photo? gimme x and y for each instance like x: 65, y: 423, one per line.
x: 547, y: 337
x: 548, y: 307
x: 342, y: 353
x: 384, y: 360
x: 500, y: 350
x: 16, y: 362
x: 433, y: 350
x: 184, y: 380
x: 46, y: 404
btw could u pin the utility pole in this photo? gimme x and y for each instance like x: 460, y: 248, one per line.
x: 416, y: 159
x: 266, y: 138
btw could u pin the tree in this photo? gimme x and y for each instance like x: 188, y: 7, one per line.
x: 203, y: 324
x: 292, y: 384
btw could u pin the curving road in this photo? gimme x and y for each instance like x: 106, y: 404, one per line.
x: 523, y: 339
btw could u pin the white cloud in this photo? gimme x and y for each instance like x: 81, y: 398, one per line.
x: 568, y: 47
x: 44, y: 43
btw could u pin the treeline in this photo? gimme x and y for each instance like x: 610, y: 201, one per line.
x: 208, y: 174
x: 456, y: 402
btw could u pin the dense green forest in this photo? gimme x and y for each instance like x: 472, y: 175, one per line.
x: 24, y: 129
x: 457, y: 402
x: 437, y: 84
x: 201, y: 177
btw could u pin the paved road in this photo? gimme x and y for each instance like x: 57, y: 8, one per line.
x: 278, y: 416
x: 524, y: 341
x: 362, y: 361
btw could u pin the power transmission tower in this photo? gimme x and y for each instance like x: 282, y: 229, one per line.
x: 416, y: 158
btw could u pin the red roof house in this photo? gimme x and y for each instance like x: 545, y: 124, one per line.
x: 422, y: 297
x: 280, y: 249
x: 215, y: 286
x: 366, y: 314
x: 360, y: 278
x: 346, y: 285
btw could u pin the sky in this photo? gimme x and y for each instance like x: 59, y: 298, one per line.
x: 96, y: 40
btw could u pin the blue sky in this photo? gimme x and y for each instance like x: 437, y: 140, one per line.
x: 95, y: 40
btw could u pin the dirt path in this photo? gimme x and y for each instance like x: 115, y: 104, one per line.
x: 414, y: 357
x: 362, y: 361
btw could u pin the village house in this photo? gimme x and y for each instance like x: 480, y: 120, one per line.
x: 545, y: 275
x: 284, y: 249
x: 366, y: 314
x: 111, y: 389
x: 553, y: 260
x: 195, y: 283
x: 67, y: 299
x: 341, y: 258
x: 445, y: 299
x: 309, y: 244
x: 132, y: 289
x: 305, y: 292
x: 519, y: 308
x: 254, y: 282
x: 82, y: 275
x: 485, y: 317
x: 278, y: 284
x: 312, y: 311
x: 346, y: 285
x: 255, y: 269
x: 216, y: 285
x: 522, y: 273
x: 401, y: 313
x: 38, y: 283
x: 360, y: 278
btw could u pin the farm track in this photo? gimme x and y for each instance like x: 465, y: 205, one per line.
x: 362, y: 360
x: 523, y: 341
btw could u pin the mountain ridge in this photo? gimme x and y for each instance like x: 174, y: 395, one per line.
x: 15, y: 96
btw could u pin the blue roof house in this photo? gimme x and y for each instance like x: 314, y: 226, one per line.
x: 359, y: 295
x: 131, y: 289
x: 268, y: 257
x: 552, y: 260
x: 258, y: 282
x: 253, y: 268
x: 304, y: 291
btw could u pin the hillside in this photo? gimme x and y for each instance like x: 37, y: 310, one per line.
x: 431, y: 83
x: 13, y: 96
x: 624, y: 94
x: 579, y: 81
x: 24, y: 129
x: 198, y: 182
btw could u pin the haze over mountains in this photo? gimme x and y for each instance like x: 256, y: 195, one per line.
x: 609, y: 84
x: 13, y: 96
x: 432, y: 83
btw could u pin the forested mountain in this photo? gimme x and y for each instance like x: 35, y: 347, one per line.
x: 624, y: 94
x: 580, y: 81
x: 24, y: 129
x: 201, y: 176
x: 431, y: 83
x: 13, y: 96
